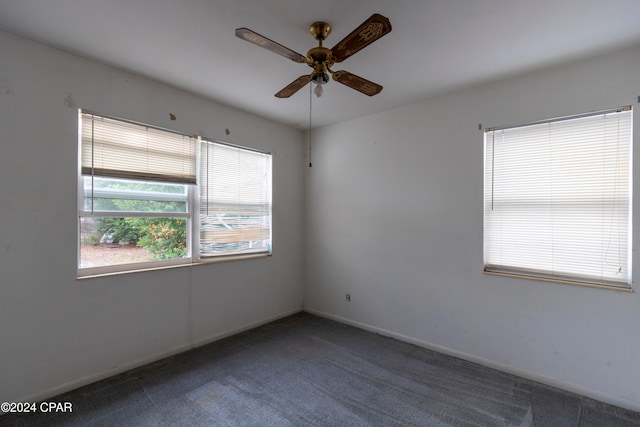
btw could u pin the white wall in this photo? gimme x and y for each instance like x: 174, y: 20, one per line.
x: 394, y: 217
x: 57, y: 332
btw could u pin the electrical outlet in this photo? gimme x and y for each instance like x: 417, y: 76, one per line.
x: 347, y: 297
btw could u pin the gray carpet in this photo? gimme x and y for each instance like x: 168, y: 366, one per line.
x: 309, y: 371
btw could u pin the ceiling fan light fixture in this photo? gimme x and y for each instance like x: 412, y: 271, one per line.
x: 320, y: 73
x: 318, y: 91
x: 320, y: 78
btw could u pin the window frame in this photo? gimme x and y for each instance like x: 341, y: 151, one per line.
x: 521, y: 271
x: 192, y: 199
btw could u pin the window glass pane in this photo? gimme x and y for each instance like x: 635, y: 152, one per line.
x: 113, y: 241
x: 121, y: 195
x: 232, y: 232
x: 235, y: 200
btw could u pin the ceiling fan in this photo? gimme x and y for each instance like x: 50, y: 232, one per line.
x: 321, y: 59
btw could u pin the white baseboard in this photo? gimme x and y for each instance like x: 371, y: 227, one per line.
x: 553, y: 382
x: 88, y: 379
x: 252, y: 325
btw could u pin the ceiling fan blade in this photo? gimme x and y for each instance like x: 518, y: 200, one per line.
x: 294, y: 86
x: 257, y: 39
x: 356, y: 82
x: 368, y: 32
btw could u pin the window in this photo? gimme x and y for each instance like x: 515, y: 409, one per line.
x: 557, y: 199
x: 141, y: 188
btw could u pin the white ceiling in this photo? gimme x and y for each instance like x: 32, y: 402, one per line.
x: 436, y: 46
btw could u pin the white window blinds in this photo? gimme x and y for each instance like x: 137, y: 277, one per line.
x: 120, y: 149
x: 235, y: 200
x: 557, y: 199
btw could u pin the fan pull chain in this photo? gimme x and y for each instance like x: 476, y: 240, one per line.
x: 309, y: 132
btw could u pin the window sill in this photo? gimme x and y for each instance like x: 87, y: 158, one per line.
x: 564, y: 282
x: 206, y: 261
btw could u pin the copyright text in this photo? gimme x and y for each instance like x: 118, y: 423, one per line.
x: 46, y: 407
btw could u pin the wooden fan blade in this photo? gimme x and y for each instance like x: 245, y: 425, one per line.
x: 294, y: 86
x: 257, y: 39
x: 356, y: 82
x: 368, y: 32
